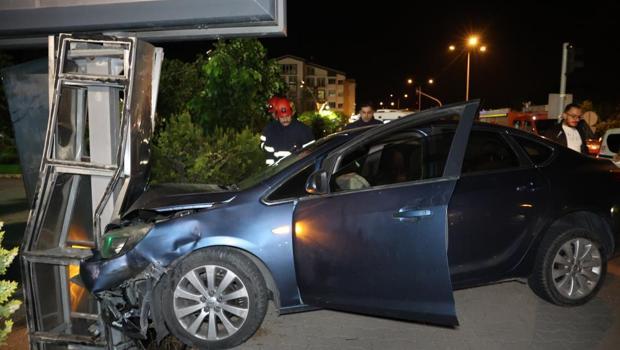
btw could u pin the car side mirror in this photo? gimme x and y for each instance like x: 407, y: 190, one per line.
x: 317, y: 183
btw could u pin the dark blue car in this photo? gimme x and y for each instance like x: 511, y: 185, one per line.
x: 384, y: 221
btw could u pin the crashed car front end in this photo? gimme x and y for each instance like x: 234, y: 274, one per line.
x: 123, y: 272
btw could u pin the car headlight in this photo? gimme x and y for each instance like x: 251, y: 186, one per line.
x: 118, y: 241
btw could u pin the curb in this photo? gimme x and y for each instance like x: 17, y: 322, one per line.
x: 10, y: 176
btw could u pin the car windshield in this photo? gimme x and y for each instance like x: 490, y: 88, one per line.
x: 284, y: 163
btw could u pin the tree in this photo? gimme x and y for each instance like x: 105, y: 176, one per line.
x: 237, y: 80
x: 182, y: 153
x: 5, y: 118
x: 7, y: 288
x: 179, y: 83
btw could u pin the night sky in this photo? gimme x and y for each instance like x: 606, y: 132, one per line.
x: 381, y: 44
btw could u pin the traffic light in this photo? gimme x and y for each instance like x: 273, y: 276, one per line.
x: 575, y: 59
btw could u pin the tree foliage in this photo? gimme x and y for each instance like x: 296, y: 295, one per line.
x: 5, y: 118
x: 7, y: 288
x: 179, y: 82
x: 323, y: 123
x: 236, y: 81
x: 183, y: 153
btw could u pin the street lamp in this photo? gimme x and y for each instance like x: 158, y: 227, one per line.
x: 418, y: 91
x: 473, y: 43
x: 316, y: 101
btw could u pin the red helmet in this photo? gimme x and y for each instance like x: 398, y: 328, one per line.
x: 283, y: 108
x: 271, y: 104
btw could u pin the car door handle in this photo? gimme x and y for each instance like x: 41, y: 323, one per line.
x: 412, y: 215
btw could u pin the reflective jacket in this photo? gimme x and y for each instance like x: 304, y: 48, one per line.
x: 279, y: 141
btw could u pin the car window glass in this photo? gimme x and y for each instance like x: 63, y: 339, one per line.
x: 294, y: 187
x: 488, y: 151
x: 410, y: 155
x: 537, y: 152
x: 613, y: 143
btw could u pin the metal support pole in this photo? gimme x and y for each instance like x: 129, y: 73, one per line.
x: 562, y: 98
x: 467, y: 84
x: 419, y: 98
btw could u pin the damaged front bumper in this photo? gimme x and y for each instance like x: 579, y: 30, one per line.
x: 125, y: 288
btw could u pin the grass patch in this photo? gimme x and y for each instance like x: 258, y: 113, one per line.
x: 10, y: 169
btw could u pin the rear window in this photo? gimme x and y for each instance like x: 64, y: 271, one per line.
x: 537, y: 152
x: 545, y: 124
x: 613, y: 142
x: 488, y: 151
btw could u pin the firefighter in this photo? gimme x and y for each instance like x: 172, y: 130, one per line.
x: 288, y: 135
x: 270, y: 107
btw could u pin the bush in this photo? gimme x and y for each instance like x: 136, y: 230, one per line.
x: 182, y: 153
x: 8, y: 151
x: 7, y: 288
x: 228, y: 156
x: 602, y: 127
x: 176, y: 148
x: 323, y: 123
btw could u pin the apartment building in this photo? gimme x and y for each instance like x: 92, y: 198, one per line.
x: 311, y: 85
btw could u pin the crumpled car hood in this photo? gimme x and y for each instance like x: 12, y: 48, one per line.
x: 175, y: 197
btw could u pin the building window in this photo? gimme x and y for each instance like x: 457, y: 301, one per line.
x: 340, y: 94
x: 321, y: 95
x: 309, y: 71
x: 310, y: 81
x: 320, y: 82
x: 331, y: 93
x: 340, y: 82
x: 332, y: 105
x: 331, y: 81
x: 292, y: 80
x: 340, y: 106
x: 288, y: 69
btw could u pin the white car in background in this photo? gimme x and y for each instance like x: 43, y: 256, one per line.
x: 610, y: 147
x: 385, y: 115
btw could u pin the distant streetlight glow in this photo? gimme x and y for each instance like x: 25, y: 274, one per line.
x: 392, y: 103
x: 472, y: 41
x: 406, y: 96
x: 431, y: 81
x: 391, y: 95
x: 409, y: 81
x: 380, y: 103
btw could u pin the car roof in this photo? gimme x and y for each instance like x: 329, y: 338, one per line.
x: 612, y: 131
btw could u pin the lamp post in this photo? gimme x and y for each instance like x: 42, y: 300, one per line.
x: 473, y: 43
x: 418, y: 91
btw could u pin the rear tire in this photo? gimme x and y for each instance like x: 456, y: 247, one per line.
x: 570, y: 268
x: 215, y: 298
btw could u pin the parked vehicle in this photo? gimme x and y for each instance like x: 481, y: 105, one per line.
x: 385, y: 115
x: 534, y: 122
x: 610, y: 146
x: 384, y: 220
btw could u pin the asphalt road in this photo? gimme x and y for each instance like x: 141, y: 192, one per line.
x: 502, y: 316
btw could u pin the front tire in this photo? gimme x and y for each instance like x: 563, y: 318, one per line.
x: 570, y: 268
x: 214, y: 299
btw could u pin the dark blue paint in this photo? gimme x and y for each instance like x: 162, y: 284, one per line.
x: 364, y: 259
x: 351, y: 253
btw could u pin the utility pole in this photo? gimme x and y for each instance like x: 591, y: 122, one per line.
x: 562, y: 98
